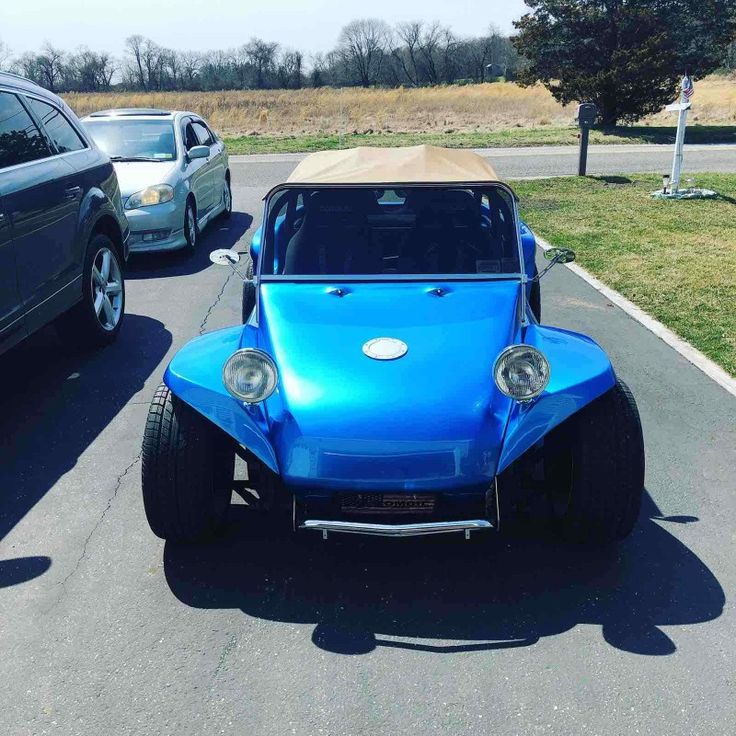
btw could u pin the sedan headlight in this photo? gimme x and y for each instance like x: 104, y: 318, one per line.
x: 157, y: 194
x: 521, y: 372
x: 250, y: 375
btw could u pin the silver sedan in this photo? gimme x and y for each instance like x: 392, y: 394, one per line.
x: 173, y: 173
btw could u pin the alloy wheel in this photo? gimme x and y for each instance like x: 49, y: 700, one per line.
x: 107, y: 288
x: 191, y: 226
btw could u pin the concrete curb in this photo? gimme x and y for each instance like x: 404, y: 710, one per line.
x: 694, y: 356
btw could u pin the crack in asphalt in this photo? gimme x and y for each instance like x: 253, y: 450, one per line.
x: 215, y: 303
x: 118, y: 484
x: 227, y: 650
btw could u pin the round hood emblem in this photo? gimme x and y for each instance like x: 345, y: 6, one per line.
x: 385, y: 348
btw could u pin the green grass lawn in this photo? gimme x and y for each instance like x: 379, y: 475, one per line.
x: 494, y: 139
x: 674, y: 259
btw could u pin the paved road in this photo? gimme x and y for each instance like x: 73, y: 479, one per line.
x: 106, y: 630
x: 563, y: 160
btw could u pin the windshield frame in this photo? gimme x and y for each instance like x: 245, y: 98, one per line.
x: 266, y: 234
x: 91, y: 124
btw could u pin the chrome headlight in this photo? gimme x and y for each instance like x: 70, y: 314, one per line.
x: 250, y: 375
x: 157, y: 194
x: 521, y: 372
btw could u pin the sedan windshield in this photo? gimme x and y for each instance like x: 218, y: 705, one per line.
x: 134, y: 140
x: 399, y: 232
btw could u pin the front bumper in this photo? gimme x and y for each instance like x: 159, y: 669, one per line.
x: 412, y: 518
x: 397, y: 530
x: 159, y: 227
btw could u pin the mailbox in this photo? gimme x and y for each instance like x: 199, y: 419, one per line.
x: 586, y: 115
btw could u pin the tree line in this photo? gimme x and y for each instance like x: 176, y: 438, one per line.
x: 626, y: 56
x: 368, y: 53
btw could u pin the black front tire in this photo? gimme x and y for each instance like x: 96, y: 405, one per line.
x: 191, y: 228
x: 81, y: 327
x: 188, y: 466
x: 594, y: 467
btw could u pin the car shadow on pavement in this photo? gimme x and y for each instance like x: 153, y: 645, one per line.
x: 55, y: 404
x: 493, y: 592
x: 219, y: 234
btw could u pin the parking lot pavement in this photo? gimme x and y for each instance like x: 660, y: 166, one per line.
x: 107, y: 630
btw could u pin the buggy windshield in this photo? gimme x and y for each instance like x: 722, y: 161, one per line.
x: 364, y: 232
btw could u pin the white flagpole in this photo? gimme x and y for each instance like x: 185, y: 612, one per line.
x: 682, y: 107
x: 679, y: 144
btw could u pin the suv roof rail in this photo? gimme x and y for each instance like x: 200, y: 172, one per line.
x: 128, y: 111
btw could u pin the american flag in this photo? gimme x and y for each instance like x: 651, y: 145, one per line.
x: 686, y: 87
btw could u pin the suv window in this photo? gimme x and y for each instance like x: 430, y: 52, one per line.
x: 58, y: 128
x: 203, y: 133
x: 20, y: 139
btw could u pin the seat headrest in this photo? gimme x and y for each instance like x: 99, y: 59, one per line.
x: 341, y: 206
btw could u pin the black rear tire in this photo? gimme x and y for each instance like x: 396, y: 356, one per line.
x: 594, y: 467
x: 249, y: 293
x: 81, y: 327
x: 188, y: 466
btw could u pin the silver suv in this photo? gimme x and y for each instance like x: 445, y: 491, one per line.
x: 173, y: 173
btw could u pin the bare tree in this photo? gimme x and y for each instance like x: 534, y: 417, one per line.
x: 405, y: 51
x: 448, y: 44
x: 369, y: 52
x: 106, y: 68
x: 362, y: 45
x: 191, y: 63
x: 50, y: 66
x: 134, y: 48
x: 428, y: 50
x: 262, y: 57
x: 289, y: 69
x: 5, y: 56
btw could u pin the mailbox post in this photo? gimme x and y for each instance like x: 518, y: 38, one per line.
x: 585, y: 117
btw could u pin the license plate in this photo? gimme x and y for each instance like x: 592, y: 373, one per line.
x: 388, y: 503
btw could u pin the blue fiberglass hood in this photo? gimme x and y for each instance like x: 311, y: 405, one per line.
x: 428, y: 420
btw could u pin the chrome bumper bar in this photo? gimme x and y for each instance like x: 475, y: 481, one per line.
x: 397, y: 530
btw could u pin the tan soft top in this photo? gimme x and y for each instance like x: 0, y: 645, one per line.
x: 408, y: 165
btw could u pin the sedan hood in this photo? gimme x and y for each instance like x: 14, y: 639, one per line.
x: 430, y: 418
x: 136, y: 175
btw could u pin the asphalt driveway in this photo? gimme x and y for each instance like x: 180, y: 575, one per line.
x: 107, y: 630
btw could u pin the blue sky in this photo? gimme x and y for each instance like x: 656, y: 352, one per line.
x: 206, y: 24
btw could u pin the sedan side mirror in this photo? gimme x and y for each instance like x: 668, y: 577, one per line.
x: 198, y: 152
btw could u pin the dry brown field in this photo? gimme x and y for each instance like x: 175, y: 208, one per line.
x: 455, y: 109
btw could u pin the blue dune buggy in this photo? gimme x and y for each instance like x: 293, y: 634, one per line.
x: 391, y: 376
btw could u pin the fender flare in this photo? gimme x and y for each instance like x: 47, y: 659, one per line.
x: 194, y: 375
x: 580, y: 372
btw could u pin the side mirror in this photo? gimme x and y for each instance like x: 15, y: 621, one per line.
x: 554, y: 256
x: 198, y: 152
x: 224, y: 257
x: 560, y: 255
